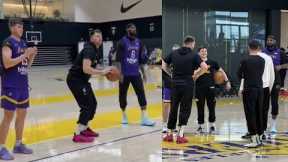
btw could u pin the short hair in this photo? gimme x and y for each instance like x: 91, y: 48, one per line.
x: 189, y: 39
x: 254, y: 44
x: 95, y: 31
x: 201, y: 47
x: 15, y: 21
x: 130, y: 25
x: 271, y: 37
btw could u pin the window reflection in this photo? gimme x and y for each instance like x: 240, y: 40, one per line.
x: 41, y: 9
x: 227, y: 34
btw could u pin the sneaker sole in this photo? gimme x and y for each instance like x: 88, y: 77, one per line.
x: 181, y: 142
x: 7, y: 159
x: 168, y: 141
x: 252, y: 147
x: 82, y: 141
x: 93, y: 136
x: 22, y: 153
x: 148, y: 125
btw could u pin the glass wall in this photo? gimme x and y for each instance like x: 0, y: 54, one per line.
x: 224, y: 33
x: 41, y: 9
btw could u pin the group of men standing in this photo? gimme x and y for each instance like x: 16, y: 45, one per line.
x: 260, y: 84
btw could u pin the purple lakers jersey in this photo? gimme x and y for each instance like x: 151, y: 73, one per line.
x: 17, y: 76
x: 274, y: 53
x: 131, y: 56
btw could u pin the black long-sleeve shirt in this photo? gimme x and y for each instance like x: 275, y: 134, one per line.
x: 251, y: 70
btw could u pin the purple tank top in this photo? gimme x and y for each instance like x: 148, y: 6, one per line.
x: 17, y: 76
x: 131, y: 56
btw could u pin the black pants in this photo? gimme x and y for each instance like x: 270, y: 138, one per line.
x: 253, y: 107
x: 266, y: 103
x: 205, y: 93
x: 282, y: 76
x: 181, y: 95
x: 85, y: 98
x: 274, y: 99
x: 138, y: 87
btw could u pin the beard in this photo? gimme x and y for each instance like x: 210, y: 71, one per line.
x: 132, y: 34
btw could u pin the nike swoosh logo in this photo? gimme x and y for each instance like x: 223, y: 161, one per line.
x: 126, y: 9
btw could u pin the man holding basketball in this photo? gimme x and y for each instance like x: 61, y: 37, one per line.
x: 78, y: 77
x: 130, y: 59
x: 205, y: 90
x: 16, y: 58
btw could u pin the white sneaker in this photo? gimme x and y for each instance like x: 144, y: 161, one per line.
x: 273, y: 128
x: 255, y: 142
x: 164, y: 129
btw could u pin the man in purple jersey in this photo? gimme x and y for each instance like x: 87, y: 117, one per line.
x: 16, y: 59
x: 130, y: 58
x: 275, y: 53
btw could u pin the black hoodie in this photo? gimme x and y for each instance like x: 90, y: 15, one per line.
x: 88, y: 52
x: 184, y: 61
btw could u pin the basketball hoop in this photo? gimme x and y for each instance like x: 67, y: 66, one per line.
x: 34, y: 37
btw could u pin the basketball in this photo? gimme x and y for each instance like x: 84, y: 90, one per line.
x: 219, y: 77
x: 113, y: 75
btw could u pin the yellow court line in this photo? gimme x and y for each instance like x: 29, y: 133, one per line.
x: 51, y: 130
x: 61, y: 128
x: 69, y: 97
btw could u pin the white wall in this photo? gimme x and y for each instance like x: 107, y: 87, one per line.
x: 284, y: 29
x: 109, y: 10
x: 1, y: 9
x: 69, y: 9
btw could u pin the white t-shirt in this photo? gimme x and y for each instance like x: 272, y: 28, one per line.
x: 268, y: 76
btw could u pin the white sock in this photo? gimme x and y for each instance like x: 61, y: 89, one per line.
x: 201, y: 125
x: 211, y: 125
x: 273, y: 123
x: 124, y: 115
x: 1, y: 146
x: 144, y: 114
x: 181, y: 131
x: 164, y: 124
x: 80, y: 128
x: 18, y: 142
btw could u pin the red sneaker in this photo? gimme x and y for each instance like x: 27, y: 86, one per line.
x: 181, y: 140
x: 82, y: 139
x: 168, y: 138
x: 89, y: 133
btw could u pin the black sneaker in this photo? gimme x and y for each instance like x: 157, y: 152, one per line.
x: 212, y: 130
x: 264, y: 137
x: 246, y: 136
x: 200, y: 130
x: 164, y: 131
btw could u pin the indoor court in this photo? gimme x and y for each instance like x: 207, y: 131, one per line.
x: 68, y: 63
x: 227, y: 144
x: 51, y: 121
